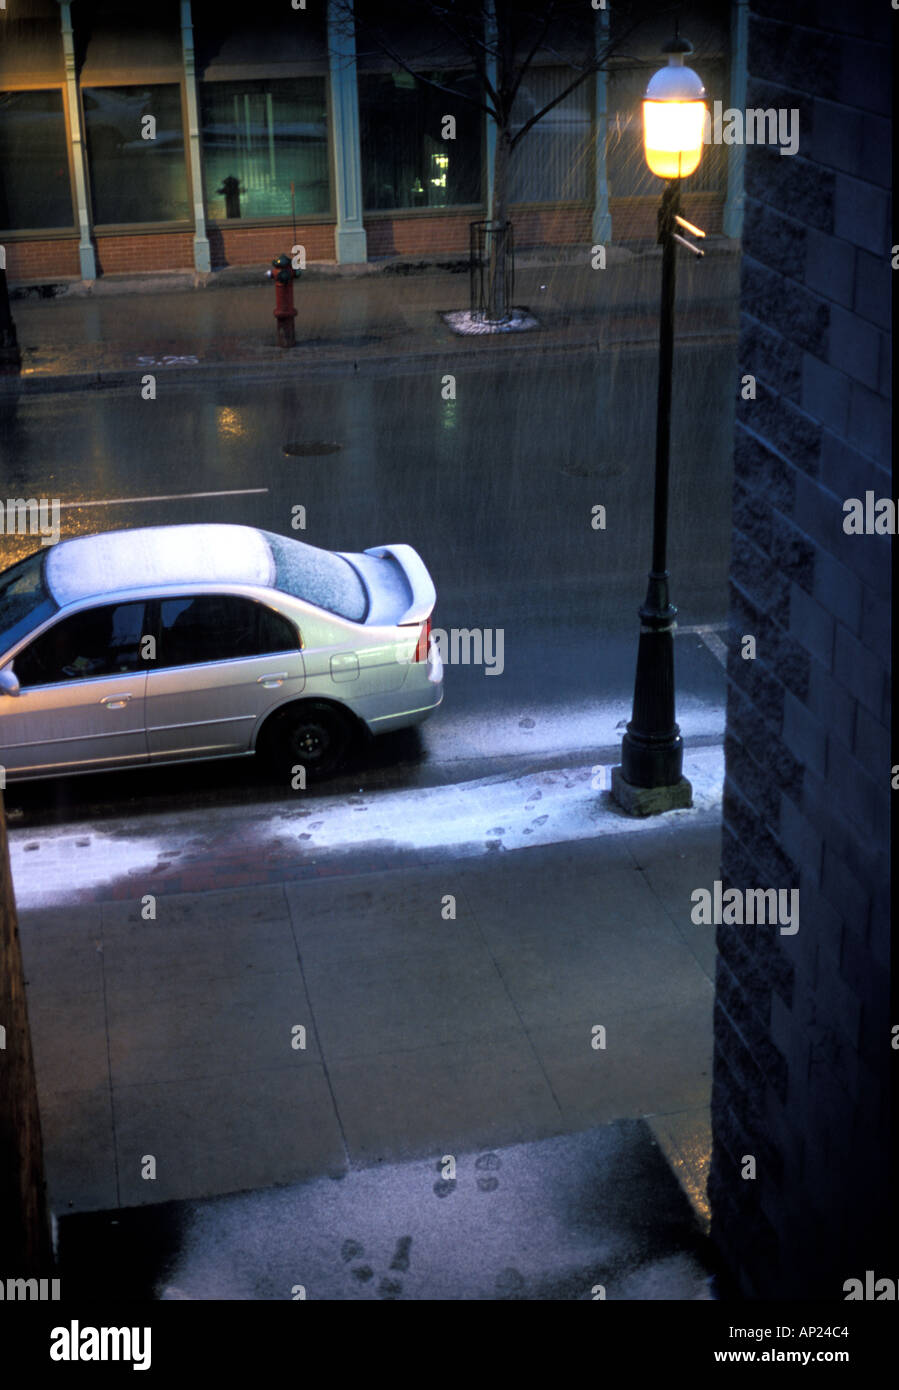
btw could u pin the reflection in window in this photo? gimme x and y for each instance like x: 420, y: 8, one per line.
x: 34, y: 165
x: 220, y: 627
x: 406, y: 163
x: 554, y: 161
x: 137, y: 167
x: 259, y: 137
x: 98, y: 642
x: 628, y: 172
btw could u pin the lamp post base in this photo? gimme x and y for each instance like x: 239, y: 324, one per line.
x: 650, y: 801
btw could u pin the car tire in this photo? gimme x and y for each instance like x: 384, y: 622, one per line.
x: 313, y: 735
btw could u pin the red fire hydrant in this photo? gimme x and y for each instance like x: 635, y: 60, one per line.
x: 283, y: 274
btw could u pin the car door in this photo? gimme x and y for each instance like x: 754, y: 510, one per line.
x: 222, y: 662
x: 81, y: 699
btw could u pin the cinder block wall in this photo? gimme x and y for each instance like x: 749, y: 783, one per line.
x: 802, y: 1026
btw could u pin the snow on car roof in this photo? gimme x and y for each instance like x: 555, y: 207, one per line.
x: 154, y: 556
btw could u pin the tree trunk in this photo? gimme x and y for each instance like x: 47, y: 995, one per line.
x: 497, y: 308
x: 24, y: 1217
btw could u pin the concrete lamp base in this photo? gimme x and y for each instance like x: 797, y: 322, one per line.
x: 650, y: 801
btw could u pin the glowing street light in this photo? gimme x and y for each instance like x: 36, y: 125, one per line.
x: 650, y: 778
x: 674, y: 116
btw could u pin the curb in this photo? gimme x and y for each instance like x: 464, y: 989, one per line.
x: 515, y: 354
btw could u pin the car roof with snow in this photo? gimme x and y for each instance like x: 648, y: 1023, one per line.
x: 152, y: 557
x: 158, y: 557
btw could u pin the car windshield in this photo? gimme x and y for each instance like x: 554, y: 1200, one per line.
x: 318, y: 576
x: 24, y: 600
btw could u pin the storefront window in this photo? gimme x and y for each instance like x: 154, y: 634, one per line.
x: 259, y: 137
x: 406, y: 163
x: 628, y: 172
x: 137, y: 166
x: 34, y: 168
x: 554, y: 161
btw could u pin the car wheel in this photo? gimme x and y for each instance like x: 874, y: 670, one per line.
x: 313, y: 736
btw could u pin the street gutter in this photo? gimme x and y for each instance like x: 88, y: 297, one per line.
x: 307, y: 362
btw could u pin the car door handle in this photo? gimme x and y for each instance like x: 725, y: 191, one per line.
x: 115, y: 701
x: 272, y: 680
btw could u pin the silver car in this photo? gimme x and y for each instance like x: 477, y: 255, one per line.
x: 172, y: 643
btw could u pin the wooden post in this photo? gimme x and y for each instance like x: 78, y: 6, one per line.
x: 26, y: 1247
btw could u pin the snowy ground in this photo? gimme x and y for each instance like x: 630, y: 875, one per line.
x: 465, y: 819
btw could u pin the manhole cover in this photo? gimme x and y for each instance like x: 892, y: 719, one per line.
x: 300, y: 449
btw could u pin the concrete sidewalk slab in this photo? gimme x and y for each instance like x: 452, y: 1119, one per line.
x: 172, y: 1037
x: 576, y: 1218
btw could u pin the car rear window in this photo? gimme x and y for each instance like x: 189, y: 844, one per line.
x: 318, y: 576
x: 25, y: 601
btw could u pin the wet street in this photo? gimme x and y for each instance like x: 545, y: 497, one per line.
x: 496, y: 488
x: 447, y: 918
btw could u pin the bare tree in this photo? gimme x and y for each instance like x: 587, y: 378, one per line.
x: 498, y: 41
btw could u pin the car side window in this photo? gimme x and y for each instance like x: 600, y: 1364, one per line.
x: 220, y: 627
x: 103, y: 641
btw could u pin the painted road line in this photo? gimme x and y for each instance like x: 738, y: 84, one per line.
x: 164, y: 497
x: 709, y: 635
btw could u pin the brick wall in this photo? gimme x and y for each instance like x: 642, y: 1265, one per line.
x: 259, y: 245
x: 636, y: 219
x: 31, y: 260
x: 136, y: 252
x: 802, y: 1023
x: 444, y: 233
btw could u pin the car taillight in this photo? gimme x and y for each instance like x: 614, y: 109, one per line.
x: 421, y: 651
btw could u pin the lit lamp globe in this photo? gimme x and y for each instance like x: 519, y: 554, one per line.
x: 674, y: 114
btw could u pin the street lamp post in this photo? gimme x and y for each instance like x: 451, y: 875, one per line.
x: 650, y: 778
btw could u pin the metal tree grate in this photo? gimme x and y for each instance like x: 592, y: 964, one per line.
x: 487, y: 241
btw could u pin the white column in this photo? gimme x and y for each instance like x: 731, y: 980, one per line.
x: 602, y: 217
x: 195, y: 159
x: 349, y: 235
x: 732, y: 222
x: 86, y: 256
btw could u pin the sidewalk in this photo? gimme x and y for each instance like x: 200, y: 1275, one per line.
x: 577, y: 1218
x: 385, y: 319
x: 426, y: 1033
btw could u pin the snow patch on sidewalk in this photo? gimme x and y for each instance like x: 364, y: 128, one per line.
x: 63, y: 865
x: 462, y: 819
x: 494, y: 813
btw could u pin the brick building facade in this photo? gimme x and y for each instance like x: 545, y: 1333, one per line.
x: 290, y: 106
x: 802, y: 1022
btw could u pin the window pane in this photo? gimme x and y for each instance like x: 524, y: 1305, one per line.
x: 34, y: 165
x: 258, y: 138
x: 25, y: 600
x: 220, y: 627
x: 554, y: 161
x: 99, y: 642
x: 628, y: 172
x: 134, y: 179
x: 318, y: 576
x: 406, y: 163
